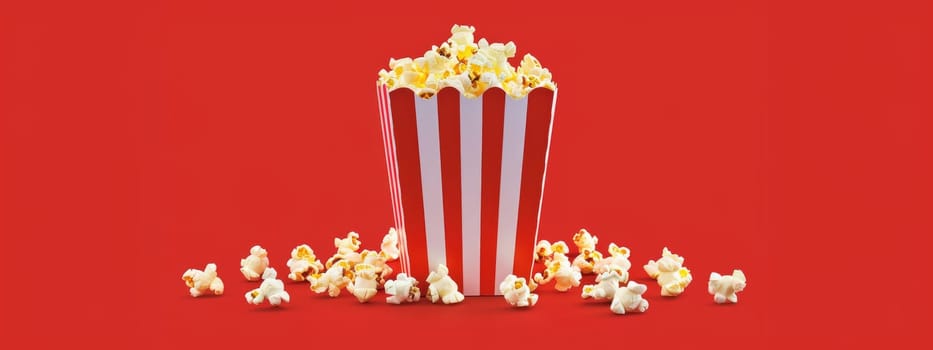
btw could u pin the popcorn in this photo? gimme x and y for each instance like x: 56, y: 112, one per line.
x: 378, y: 262
x: 469, y: 67
x: 724, y: 288
x: 403, y: 289
x: 670, y: 273
x: 390, y: 245
x: 364, y: 283
x: 203, y: 282
x: 516, y: 292
x: 346, y: 250
x: 607, y: 284
x: 544, y: 250
x: 559, y: 270
x: 442, y: 287
x: 303, y: 263
x: 586, y: 260
x: 652, y: 267
x: 618, y: 259
x: 336, y: 278
x: 271, y: 289
x: 584, y: 240
x: 254, y: 265
x: 629, y: 299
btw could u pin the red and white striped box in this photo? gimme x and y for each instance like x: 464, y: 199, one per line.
x: 466, y: 177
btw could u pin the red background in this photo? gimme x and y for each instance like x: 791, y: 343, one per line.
x: 137, y: 141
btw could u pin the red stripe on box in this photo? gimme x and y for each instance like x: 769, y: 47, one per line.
x: 409, y: 173
x: 384, y: 123
x: 537, y: 140
x: 493, y: 119
x: 393, y: 171
x: 448, y: 115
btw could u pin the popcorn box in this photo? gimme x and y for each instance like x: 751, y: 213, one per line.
x: 466, y: 177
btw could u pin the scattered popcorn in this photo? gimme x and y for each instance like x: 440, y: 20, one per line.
x: 442, y: 287
x: 203, y: 282
x: 390, y: 245
x: 629, y: 299
x: 544, y: 250
x: 346, y: 250
x: 379, y: 263
x: 468, y: 67
x: 670, y: 273
x: 618, y: 259
x: 652, y: 267
x: 606, y: 285
x: 303, y: 263
x: 403, y: 289
x: 561, y: 271
x: 586, y: 260
x: 254, y: 265
x: 271, y: 289
x: 516, y: 292
x: 584, y: 240
x: 336, y: 278
x: 364, y: 284
x: 725, y: 288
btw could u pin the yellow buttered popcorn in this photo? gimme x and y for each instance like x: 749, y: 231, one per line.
x: 468, y: 66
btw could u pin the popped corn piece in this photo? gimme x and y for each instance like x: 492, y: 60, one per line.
x: 560, y: 270
x: 629, y: 299
x: 336, y: 278
x: 586, y: 260
x: 468, y: 66
x: 254, y: 265
x: 584, y: 240
x: 303, y: 263
x: 606, y: 285
x: 403, y: 289
x: 346, y: 250
x: 442, y: 288
x: 618, y: 259
x: 517, y: 292
x: 725, y: 288
x: 390, y: 245
x: 271, y: 289
x: 652, y: 266
x: 364, y: 284
x: 203, y: 282
x: 379, y: 262
x: 545, y: 251
x: 672, y: 276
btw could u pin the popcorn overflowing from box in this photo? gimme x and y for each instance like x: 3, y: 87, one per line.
x: 466, y: 136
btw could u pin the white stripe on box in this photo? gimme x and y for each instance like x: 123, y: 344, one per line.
x: 513, y: 148
x: 429, y: 152
x: 471, y: 177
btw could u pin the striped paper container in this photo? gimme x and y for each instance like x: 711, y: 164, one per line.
x: 466, y: 177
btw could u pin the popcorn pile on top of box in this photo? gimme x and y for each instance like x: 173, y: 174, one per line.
x: 466, y: 138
